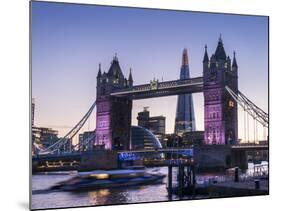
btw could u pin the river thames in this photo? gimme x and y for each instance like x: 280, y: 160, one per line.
x: 42, y: 199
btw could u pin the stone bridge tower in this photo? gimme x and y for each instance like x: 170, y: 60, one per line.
x: 220, y: 110
x: 113, y: 121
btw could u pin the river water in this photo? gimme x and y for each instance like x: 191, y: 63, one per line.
x: 135, y: 194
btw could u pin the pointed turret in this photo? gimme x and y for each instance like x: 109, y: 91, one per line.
x: 130, y: 75
x: 115, y: 58
x: 99, y: 73
x: 206, y: 57
x: 220, y: 52
x: 228, y: 59
x: 130, y: 78
x: 234, y: 63
x: 184, y: 57
x: 115, y: 69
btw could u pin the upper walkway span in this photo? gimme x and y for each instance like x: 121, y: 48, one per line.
x: 158, y: 89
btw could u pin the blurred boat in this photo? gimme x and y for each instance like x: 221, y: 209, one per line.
x: 108, y: 179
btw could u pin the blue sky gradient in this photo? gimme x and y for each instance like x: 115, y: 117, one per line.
x: 70, y: 40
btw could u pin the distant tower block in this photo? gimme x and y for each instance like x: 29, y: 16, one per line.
x: 113, y: 122
x: 32, y: 111
x: 185, y: 119
x: 220, y: 110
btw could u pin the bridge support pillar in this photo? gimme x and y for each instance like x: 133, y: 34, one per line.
x: 180, y: 180
x: 113, y: 121
x: 239, y: 158
x: 212, y: 157
x: 113, y: 126
x: 98, y: 160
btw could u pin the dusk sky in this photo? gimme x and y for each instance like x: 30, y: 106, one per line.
x: 70, y: 40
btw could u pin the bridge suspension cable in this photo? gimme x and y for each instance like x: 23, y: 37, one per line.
x: 85, y: 144
x: 37, y: 147
x: 62, y: 142
x: 257, y: 113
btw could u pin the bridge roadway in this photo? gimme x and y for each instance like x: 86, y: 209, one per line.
x: 158, y: 89
x: 55, y: 157
x: 157, y: 150
x: 77, y: 155
x: 250, y: 147
x: 187, y: 151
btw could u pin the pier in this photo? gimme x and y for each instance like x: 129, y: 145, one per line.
x: 186, y: 180
x: 241, y: 188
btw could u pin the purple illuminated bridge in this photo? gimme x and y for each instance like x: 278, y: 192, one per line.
x: 115, y: 93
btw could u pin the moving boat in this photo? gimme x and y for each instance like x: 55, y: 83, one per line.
x: 108, y: 179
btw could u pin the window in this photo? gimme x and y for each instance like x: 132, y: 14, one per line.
x: 231, y: 103
x: 115, y: 81
x: 213, y: 76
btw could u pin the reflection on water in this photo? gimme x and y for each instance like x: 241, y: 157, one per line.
x: 133, y: 194
x: 98, y: 196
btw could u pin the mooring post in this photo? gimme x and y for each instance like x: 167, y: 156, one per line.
x: 189, y: 176
x: 170, y: 179
x: 180, y: 180
x: 236, y: 174
x: 193, y: 176
x: 257, y: 184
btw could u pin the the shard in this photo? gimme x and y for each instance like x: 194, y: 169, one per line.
x: 185, y: 119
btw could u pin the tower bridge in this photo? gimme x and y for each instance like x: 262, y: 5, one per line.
x: 219, y: 85
x: 115, y: 94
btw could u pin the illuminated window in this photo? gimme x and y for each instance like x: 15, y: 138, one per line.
x: 231, y: 103
x: 115, y: 81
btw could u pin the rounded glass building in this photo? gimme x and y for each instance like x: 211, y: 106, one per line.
x: 141, y: 138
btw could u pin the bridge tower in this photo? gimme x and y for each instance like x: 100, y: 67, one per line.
x: 220, y: 110
x: 113, y: 121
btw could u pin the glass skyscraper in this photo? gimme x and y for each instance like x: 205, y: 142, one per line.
x: 185, y: 119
